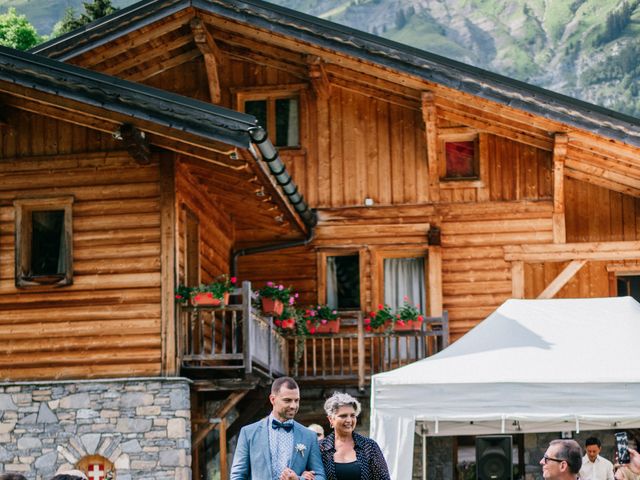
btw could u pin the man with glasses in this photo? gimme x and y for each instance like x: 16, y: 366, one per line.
x: 562, y: 460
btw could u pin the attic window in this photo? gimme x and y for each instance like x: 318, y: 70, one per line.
x: 43, y: 242
x: 461, y: 157
x: 277, y: 109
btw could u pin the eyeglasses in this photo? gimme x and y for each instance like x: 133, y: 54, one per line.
x: 545, y: 459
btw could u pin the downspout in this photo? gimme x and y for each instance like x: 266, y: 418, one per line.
x: 278, y: 169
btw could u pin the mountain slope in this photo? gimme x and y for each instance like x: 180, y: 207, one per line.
x: 587, y: 49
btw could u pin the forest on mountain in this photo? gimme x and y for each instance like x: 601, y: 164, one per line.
x: 587, y: 49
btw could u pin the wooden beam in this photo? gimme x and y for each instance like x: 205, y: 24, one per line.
x: 561, y: 141
x: 562, y: 252
x: 222, y: 412
x: 212, y: 56
x: 165, y: 65
x: 168, y: 238
x: 318, y: 77
x: 517, y: 279
x: 429, y: 115
x: 561, y: 280
x: 135, y: 142
x: 434, y: 261
x: 224, y: 463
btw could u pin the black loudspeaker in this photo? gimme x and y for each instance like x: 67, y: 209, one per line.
x: 493, y: 458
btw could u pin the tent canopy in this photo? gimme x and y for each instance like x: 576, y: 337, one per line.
x: 531, y: 366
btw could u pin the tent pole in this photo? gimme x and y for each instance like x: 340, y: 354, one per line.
x: 424, y: 453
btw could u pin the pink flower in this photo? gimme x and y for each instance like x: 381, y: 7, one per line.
x: 269, y: 284
x: 280, y: 287
x: 179, y: 297
x: 367, y: 321
x: 405, y: 298
x: 323, y: 321
x: 312, y: 330
x: 295, y: 295
x: 333, y: 312
x: 292, y: 300
x: 233, y: 280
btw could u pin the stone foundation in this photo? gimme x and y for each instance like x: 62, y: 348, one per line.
x: 142, y: 426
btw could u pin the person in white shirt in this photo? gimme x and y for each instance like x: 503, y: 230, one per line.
x: 595, y: 467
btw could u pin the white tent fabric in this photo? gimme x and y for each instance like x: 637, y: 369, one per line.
x: 531, y: 366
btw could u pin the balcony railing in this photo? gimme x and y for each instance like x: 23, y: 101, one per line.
x: 215, y: 342
x: 353, y: 355
x: 219, y: 338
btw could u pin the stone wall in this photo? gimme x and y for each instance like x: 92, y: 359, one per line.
x: 142, y: 426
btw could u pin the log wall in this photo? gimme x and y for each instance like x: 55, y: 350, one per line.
x: 107, y: 324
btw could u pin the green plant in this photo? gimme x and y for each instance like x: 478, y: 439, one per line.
x: 408, y: 312
x: 378, y: 318
x: 320, y: 315
x: 221, y: 285
x: 278, y: 292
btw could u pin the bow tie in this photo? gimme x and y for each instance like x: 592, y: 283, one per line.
x: 276, y: 425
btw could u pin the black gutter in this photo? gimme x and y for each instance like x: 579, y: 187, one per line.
x: 279, y: 171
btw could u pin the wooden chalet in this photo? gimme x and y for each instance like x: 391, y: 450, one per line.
x: 465, y: 187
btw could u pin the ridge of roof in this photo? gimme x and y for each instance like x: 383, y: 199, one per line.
x: 422, y: 64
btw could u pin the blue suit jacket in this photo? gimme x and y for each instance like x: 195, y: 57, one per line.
x: 252, y: 459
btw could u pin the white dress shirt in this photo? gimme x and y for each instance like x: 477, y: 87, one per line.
x: 600, y: 469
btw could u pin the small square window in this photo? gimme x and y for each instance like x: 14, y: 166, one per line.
x: 279, y: 116
x: 461, y: 160
x: 43, y: 242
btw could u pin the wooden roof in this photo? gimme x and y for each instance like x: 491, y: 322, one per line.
x: 212, y: 141
x: 153, y: 36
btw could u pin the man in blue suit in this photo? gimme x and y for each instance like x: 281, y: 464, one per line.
x: 277, y: 447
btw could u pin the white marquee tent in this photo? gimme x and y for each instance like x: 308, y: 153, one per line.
x: 531, y: 366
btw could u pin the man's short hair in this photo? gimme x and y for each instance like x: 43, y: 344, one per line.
x: 287, y: 382
x: 592, y: 441
x: 12, y: 476
x: 570, y: 452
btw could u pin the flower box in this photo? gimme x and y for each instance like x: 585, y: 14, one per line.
x: 331, y: 326
x: 406, y: 326
x: 207, y: 299
x: 271, y: 306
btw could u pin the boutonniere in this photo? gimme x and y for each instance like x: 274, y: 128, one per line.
x: 300, y: 448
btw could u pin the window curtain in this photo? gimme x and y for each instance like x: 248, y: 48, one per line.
x: 404, y: 277
x: 332, y: 283
x: 293, y: 135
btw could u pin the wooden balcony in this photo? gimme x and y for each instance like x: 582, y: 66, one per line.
x: 353, y: 355
x: 217, y: 344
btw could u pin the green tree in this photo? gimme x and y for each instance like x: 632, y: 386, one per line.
x: 17, y: 32
x: 93, y: 11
